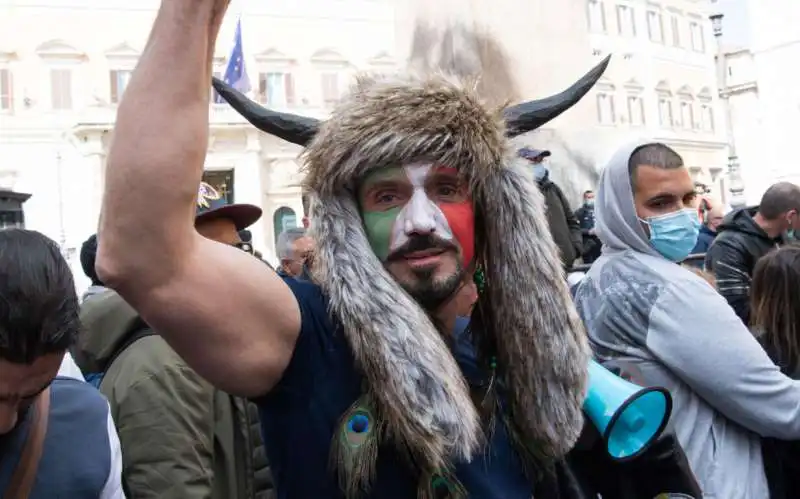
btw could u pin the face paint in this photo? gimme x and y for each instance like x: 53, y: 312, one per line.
x: 378, y: 226
x: 461, y: 218
x: 420, y: 215
x: 389, y: 230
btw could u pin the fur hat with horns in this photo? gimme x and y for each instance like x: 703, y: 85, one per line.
x: 414, y: 389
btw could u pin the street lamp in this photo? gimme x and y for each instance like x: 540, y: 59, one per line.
x: 736, y: 184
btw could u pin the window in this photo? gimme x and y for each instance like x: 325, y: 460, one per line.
x: 119, y: 82
x: 606, y: 114
x: 6, y: 90
x: 665, y: 117
x: 707, y: 117
x: 283, y: 218
x: 636, y: 110
x: 676, y: 31
x: 697, y: 37
x: 330, y: 88
x: 626, y: 23
x: 655, y: 26
x: 276, y: 88
x: 687, y: 115
x: 61, y: 88
x: 597, y: 16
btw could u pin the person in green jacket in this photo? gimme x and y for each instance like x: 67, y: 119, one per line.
x: 181, y: 438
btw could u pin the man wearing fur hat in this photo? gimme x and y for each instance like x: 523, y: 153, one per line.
x: 366, y: 371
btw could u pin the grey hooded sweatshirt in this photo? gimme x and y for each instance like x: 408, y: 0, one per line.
x: 683, y: 335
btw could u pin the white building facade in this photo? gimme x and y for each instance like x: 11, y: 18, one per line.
x: 765, y: 98
x: 64, y: 66
x: 661, y: 82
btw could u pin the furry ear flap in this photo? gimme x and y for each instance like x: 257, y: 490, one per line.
x: 541, y: 345
x: 418, y: 389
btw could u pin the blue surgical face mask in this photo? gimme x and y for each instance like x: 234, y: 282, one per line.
x: 588, y: 202
x: 674, y: 235
x: 539, y: 171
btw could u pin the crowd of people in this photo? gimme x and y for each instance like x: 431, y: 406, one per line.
x: 408, y: 344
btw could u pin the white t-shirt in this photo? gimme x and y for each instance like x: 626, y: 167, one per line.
x: 113, y: 486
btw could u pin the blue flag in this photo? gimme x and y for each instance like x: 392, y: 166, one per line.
x: 236, y: 73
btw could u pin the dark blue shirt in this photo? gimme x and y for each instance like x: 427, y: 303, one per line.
x: 76, y: 458
x: 302, y: 413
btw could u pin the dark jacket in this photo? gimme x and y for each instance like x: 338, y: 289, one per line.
x: 585, y: 217
x: 704, y: 240
x: 592, y: 247
x: 589, y: 472
x: 781, y: 458
x: 180, y: 436
x: 740, y: 242
x: 563, y: 225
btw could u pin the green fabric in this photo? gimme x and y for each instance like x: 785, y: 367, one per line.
x: 180, y: 436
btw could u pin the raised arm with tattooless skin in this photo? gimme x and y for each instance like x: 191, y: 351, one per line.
x: 149, y: 250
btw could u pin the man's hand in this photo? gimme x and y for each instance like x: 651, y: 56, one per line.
x: 231, y: 318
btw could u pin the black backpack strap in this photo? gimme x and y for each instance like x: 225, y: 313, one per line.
x: 141, y: 330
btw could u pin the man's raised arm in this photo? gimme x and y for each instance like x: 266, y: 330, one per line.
x: 223, y: 311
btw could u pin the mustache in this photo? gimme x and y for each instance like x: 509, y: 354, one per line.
x: 421, y: 243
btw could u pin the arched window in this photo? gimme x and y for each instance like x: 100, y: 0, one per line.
x: 283, y: 218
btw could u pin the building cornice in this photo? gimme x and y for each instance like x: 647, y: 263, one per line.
x: 750, y: 86
x: 19, y: 197
x: 223, y: 118
x: 698, y: 145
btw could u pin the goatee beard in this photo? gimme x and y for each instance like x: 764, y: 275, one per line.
x: 432, y: 293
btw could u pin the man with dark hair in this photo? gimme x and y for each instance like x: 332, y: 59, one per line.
x: 365, y: 369
x: 88, y: 256
x: 563, y: 225
x: 54, y: 430
x: 638, y: 305
x: 585, y: 217
x: 181, y: 437
x: 746, y: 235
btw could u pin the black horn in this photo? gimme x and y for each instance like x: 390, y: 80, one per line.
x: 531, y: 115
x: 289, y: 127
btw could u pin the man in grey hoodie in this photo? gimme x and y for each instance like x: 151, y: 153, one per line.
x: 640, y: 306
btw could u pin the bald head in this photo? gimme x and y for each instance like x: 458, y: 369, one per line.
x: 779, y: 211
x: 714, y: 217
x: 778, y: 200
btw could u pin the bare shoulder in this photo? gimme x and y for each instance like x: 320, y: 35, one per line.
x: 226, y: 313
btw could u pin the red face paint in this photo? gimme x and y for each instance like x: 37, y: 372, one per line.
x: 461, y: 218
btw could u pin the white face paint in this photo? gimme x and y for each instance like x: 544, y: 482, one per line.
x: 420, y: 215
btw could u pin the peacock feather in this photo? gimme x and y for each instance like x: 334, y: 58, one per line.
x: 441, y: 485
x: 355, y: 447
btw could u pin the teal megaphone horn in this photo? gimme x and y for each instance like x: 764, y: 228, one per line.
x: 628, y: 416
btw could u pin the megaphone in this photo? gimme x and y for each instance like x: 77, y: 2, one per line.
x: 629, y: 417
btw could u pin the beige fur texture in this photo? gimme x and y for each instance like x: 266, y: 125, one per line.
x: 419, y: 389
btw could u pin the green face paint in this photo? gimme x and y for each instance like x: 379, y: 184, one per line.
x: 378, y: 225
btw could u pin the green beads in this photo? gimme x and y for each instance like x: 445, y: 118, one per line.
x: 480, y: 279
